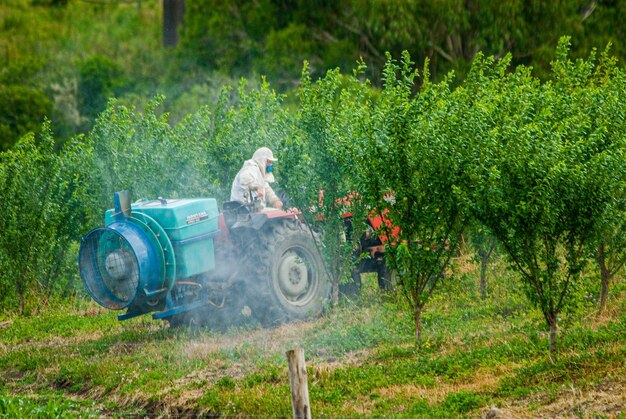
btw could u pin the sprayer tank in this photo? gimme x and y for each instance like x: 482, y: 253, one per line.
x: 190, y: 225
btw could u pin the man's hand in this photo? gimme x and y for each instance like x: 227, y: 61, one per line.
x: 278, y: 204
x: 260, y: 192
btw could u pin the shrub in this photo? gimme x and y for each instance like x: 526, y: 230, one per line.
x: 22, y: 110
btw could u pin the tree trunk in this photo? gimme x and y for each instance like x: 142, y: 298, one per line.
x: 418, y: 323
x: 55, y: 272
x: 605, y: 277
x: 483, y: 278
x: 604, y: 292
x: 485, y: 256
x: 20, y: 291
x: 173, y: 13
x: 335, y: 292
x: 553, y: 335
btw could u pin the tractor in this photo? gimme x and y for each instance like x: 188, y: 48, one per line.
x: 187, y: 262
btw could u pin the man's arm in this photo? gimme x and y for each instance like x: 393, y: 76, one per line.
x: 271, y: 198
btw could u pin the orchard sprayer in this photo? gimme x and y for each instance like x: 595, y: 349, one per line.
x: 188, y: 262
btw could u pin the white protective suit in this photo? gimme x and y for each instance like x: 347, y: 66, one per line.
x: 253, y: 176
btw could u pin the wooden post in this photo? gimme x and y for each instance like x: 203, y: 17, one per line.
x: 299, y: 387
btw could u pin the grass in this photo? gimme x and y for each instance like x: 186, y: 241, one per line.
x: 77, y: 360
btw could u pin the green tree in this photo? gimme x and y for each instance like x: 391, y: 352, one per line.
x: 41, y: 216
x: 226, y: 36
x: 549, y: 169
x: 285, y: 51
x: 320, y: 166
x: 100, y: 78
x: 610, y: 234
x: 22, y: 110
x: 138, y: 152
x: 409, y: 169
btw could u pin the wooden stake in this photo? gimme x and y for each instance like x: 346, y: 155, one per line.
x: 299, y: 387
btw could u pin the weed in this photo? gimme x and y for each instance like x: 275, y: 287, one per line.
x: 19, y: 407
x: 462, y: 402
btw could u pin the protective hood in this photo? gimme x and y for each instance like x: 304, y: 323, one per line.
x: 262, y: 155
x: 268, y: 177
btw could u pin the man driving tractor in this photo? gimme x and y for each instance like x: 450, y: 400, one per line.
x: 255, y: 177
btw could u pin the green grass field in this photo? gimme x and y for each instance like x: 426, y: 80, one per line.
x: 476, y: 357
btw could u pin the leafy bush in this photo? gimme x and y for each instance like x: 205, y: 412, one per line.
x: 41, y: 191
x: 100, y: 78
x: 511, y: 149
x: 22, y: 110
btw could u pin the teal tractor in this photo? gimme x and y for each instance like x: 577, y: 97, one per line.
x: 186, y: 262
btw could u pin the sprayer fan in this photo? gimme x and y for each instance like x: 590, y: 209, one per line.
x: 109, y: 268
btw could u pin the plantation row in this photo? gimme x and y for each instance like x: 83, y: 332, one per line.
x: 539, y: 166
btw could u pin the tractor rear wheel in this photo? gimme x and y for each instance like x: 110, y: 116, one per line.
x: 288, y: 279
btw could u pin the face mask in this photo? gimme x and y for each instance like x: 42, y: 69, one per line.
x: 268, y: 169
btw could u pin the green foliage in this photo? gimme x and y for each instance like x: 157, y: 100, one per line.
x: 16, y: 407
x: 134, y: 152
x: 551, y: 165
x: 38, y: 188
x: 243, y: 121
x: 411, y: 166
x: 220, y: 38
x: 273, y: 38
x: 462, y: 402
x: 609, y: 232
x: 53, y: 198
x: 546, y: 179
x: 23, y: 109
x: 361, y: 360
x: 99, y: 79
x: 320, y: 165
x: 142, y: 153
x: 285, y: 51
x: 448, y: 32
x: 350, y: 328
x: 65, y: 38
x: 268, y: 36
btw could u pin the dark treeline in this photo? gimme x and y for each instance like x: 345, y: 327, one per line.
x: 63, y: 59
x: 273, y: 37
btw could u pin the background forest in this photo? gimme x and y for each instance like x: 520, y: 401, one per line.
x: 64, y: 59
